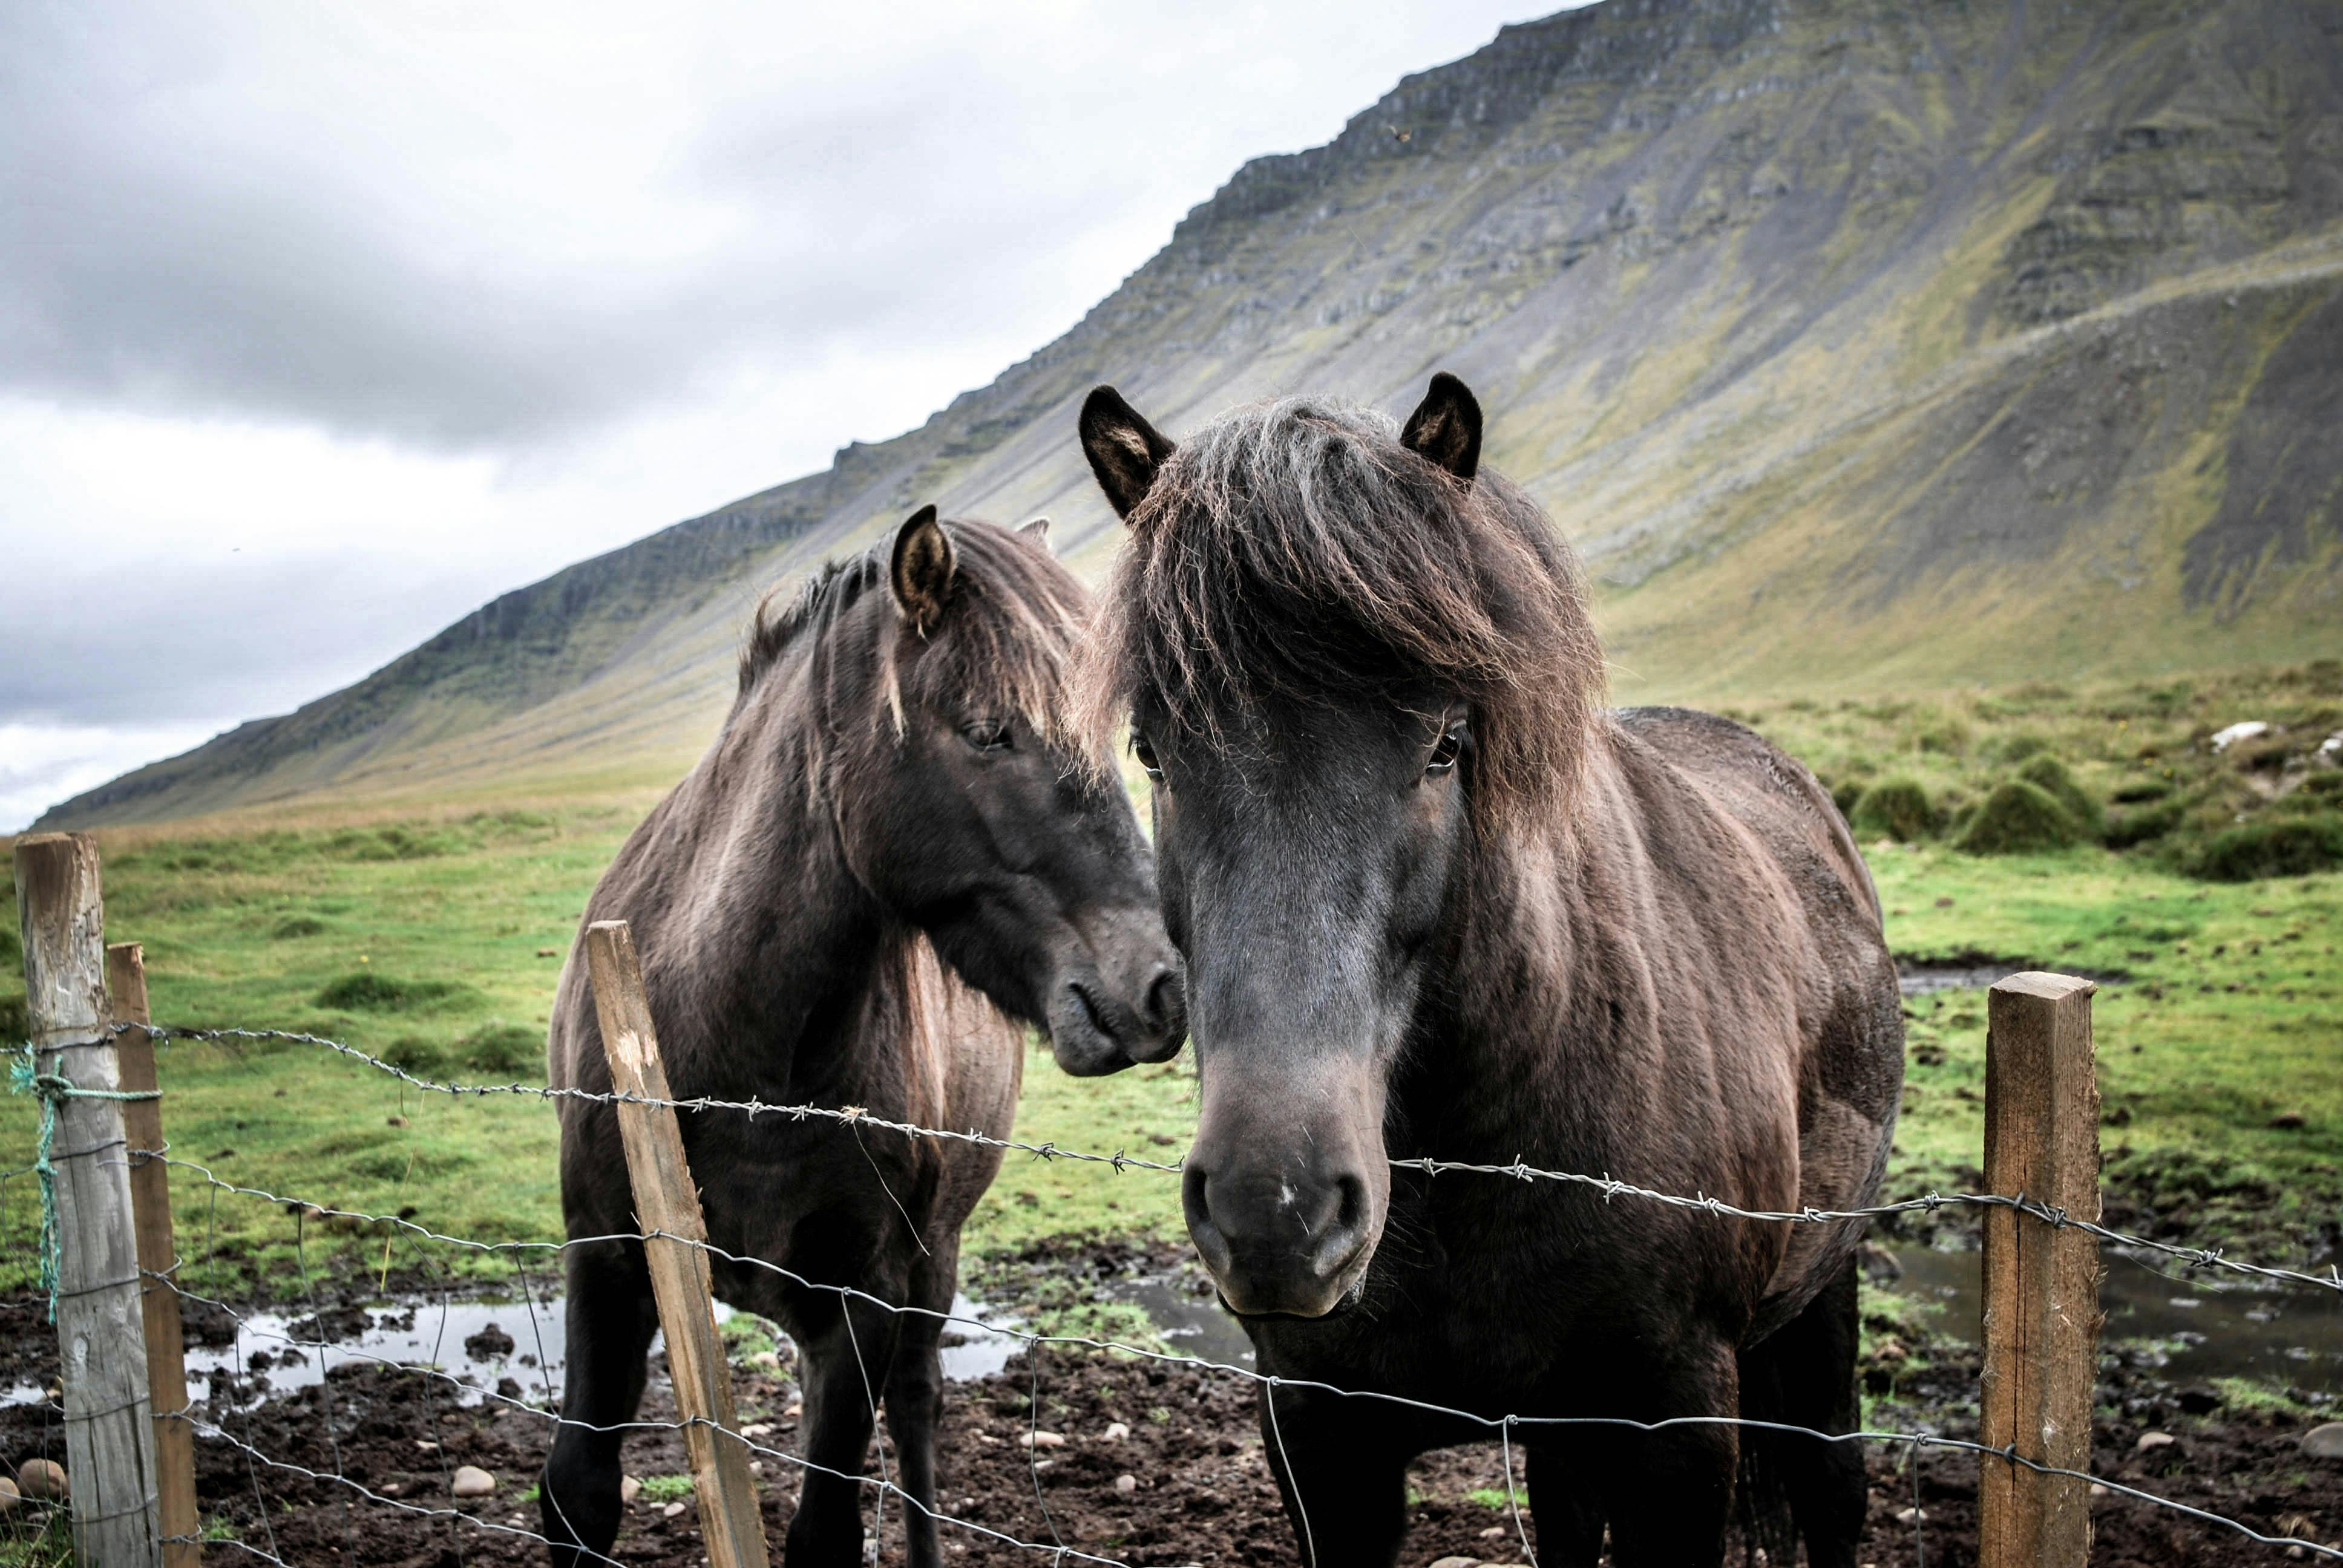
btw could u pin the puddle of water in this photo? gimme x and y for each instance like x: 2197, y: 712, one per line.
x: 420, y: 1331
x: 1917, y: 979
x: 1189, y: 1325
x: 2286, y: 1336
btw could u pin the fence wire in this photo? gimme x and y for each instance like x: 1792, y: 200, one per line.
x: 1500, y: 1428
x: 1610, y: 1187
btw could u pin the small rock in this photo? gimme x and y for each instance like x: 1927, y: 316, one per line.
x: 2151, y: 1440
x: 2098, y: 1490
x: 2290, y: 1121
x: 1492, y: 1533
x: 1116, y: 1432
x: 1889, y: 1349
x: 2246, y: 730
x: 42, y: 1478
x: 1126, y: 1484
x: 9, y: 1495
x: 757, y: 1429
x: 1457, y: 1562
x: 672, y: 1511
x: 388, y: 1489
x: 794, y: 1412
x: 1040, y: 1440
x: 1912, y: 1516
x: 426, y: 1445
x: 2324, y: 1442
x: 766, y: 1360
x: 629, y: 1488
x: 471, y: 1481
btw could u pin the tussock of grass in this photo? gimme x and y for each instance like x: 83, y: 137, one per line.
x: 367, y: 991
x: 1897, y: 809
x: 2018, y: 819
x: 2055, y: 778
x: 2257, y: 850
x: 504, y: 1049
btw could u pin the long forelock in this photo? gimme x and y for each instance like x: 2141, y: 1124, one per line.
x: 1294, y: 553
x: 1005, y: 646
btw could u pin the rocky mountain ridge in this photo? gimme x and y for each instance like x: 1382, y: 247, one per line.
x: 1855, y: 342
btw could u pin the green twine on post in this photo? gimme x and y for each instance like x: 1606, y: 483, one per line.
x: 24, y: 1078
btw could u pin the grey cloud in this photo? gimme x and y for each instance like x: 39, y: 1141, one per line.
x: 160, y: 254
x: 208, y: 642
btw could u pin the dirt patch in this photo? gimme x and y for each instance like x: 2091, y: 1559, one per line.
x: 1199, y: 1488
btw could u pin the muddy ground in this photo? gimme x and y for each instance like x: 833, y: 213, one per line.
x: 1199, y: 1489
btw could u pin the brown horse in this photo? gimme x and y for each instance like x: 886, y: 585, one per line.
x: 1436, y: 900
x: 892, y: 855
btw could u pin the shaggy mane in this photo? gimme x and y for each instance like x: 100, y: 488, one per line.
x: 1006, y: 642
x: 1293, y: 553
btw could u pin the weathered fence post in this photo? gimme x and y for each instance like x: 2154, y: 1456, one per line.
x: 667, y: 1203
x: 2041, y: 1282
x: 159, y: 1258
x: 102, y: 1344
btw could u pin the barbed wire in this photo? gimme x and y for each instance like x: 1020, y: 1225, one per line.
x: 1499, y: 1426
x: 1610, y: 1187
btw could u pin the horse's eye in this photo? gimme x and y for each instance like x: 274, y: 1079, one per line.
x: 1146, y: 755
x: 989, y: 737
x: 1446, y: 750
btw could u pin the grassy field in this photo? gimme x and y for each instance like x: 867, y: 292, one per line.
x: 437, y: 941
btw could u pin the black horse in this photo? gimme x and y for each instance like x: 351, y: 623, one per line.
x: 892, y: 851
x: 1436, y: 900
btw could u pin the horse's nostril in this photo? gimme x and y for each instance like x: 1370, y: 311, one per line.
x: 1167, y: 1000
x: 1351, y: 1207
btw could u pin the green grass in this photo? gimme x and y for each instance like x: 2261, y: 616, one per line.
x: 2224, y: 1027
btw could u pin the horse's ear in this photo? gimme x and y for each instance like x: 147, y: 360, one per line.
x: 1445, y: 428
x: 921, y: 571
x: 1125, y: 451
x: 1037, y: 530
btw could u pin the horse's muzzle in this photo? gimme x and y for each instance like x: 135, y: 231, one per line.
x: 1097, y: 1027
x: 1279, y: 1244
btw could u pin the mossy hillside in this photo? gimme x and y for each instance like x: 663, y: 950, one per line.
x: 1991, y: 410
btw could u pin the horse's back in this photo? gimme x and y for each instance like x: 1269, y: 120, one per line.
x: 1850, y: 1065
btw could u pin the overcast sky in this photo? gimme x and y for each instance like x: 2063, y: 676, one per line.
x: 320, y: 325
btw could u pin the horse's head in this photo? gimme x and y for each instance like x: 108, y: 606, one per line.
x: 1349, y: 662
x: 967, y: 809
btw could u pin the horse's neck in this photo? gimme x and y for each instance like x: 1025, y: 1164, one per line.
x: 769, y: 930
x: 1526, y: 1003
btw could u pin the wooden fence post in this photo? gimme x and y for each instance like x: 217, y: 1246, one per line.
x: 666, y: 1202
x: 158, y: 1256
x: 2041, y: 1282
x: 101, y: 1341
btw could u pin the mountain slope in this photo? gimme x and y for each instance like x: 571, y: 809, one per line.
x: 1853, y: 342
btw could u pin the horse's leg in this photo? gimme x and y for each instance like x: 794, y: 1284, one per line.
x: 1671, y: 1491
x: 841, y: 1368
x: 1343, y: 1473
x: 608, y: 1324
x: 915, y: 1397
x: 1807, y: 1370
x: 1566, y: 1498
